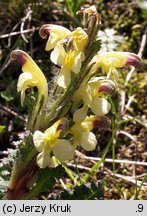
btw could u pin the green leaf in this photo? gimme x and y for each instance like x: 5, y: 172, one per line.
x: 144, y: 13
x: 46, y: 181
x: 6, y: 166
x: 6, y: 96
x: 73, y: 5
x: 48, y: 176
x: 2, y: 128
x: 88, y: 191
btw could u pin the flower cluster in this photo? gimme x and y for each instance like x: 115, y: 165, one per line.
x: 68, y: 50
x: 64, y: 119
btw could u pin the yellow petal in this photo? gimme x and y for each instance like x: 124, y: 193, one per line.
x: 84, y: 93
x: 80, y: 38
x: 25, y: 81
x: 76, y: 66
x: 64, y: 77
x: 108, y: 60
x: 58, y: 55
x: 52, y: 41
x: 80, y: 114
x: 59, y: 126
x: 28, y: 65
x: 54, y: 162
x: 107, y: 86
x: 88, y: 141
x: 55, y: 33
x: 38, y: 80
x: 53, y: 133
x: 100, y: 106
x: 63, y: 150
x: 39, y: 140
x: 43, y: 160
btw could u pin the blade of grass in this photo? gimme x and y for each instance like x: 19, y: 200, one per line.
x: 139, y: 189
x: 97, y: 165
x: 72, y: 175
x: 114, y: 130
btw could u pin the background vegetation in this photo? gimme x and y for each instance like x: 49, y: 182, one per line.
x: 106, y: 170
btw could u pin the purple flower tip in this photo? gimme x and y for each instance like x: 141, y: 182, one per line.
x: 134, y: 60
x: 20, y: 56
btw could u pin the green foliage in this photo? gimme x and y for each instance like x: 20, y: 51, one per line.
x: 48, y: 176
x: 88, y: 191
x: 10, y: 92
x: 7, y: 163
x: 30, y: 100
x: 2, y: 129
x: 144, y: 11
x: 143, y: 5
x: 73, y: 5
x: 5, y: 96
x: 46, y: 180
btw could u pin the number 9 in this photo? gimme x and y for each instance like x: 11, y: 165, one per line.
x: 140, y: 208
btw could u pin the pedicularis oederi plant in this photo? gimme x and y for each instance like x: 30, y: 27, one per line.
x: 64, y: 118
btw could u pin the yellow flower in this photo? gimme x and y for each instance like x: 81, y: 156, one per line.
x: 109, y: 61
x: 82, y: 134
x: 90, y: 95
x: 32, y: 76
x: 49, y: 142
x: 55, y: 32
x: 68, y: 53
x: 68, y: 50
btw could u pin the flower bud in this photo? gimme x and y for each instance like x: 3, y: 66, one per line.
x: 101, y: 122
x: 108, y: 87
x: 62, y: 125
x: 134, y: 60
x: 91, y: 21
x: 45, y: 31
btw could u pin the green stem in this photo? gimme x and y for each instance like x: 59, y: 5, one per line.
x: 61, y: 106
x: 97, y: 165
x: 114, y: 129
x: 113, y: 146
x: 21, y: 165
